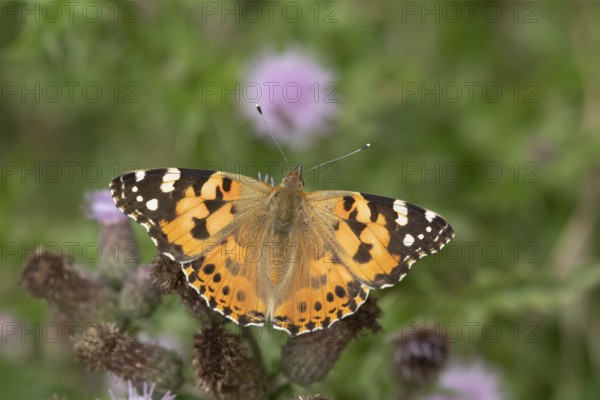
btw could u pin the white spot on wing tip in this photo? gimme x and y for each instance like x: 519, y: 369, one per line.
x: 430, y: 215
x: 401, y: 211
x: 152, y: 204
x: 168, y: 181
x: 139, y: 175
x: 139, y: 198
x: 167, y: 187
x: 408, y: 240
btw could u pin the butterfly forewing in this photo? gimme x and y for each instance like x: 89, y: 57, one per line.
x: 379, y: 238
x: 185, y: 211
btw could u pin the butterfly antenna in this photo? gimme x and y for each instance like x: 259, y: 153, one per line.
x: 271, y: 133
x: 366, y: 146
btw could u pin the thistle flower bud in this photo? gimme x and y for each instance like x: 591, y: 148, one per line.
x: 119, y: 252
x: 224, y: 368
x: 117, y: 241
x: 169, y: 278
x: 103, y: 348
x: 419, y: 355
x: 76, y: 297
x: 139, y: 296
x: 309, y: 357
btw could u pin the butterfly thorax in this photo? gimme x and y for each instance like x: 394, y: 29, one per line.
x: 287, y: 201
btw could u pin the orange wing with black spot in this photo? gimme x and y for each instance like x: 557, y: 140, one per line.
x: 186, y: 211
x: 379, y: 238
x: 228, y: 283
x: 321, y: 292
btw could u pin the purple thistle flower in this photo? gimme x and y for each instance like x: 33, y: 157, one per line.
x: 147, y: 393
x: 474, y: 381
x: 101, y: 207
x: 297, y: 95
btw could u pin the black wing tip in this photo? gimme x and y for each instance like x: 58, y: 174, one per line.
x: 446, y: 228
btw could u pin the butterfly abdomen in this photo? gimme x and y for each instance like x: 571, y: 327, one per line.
x: 285, y: 205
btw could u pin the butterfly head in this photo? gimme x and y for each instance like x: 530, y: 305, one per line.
x: 294, y: 179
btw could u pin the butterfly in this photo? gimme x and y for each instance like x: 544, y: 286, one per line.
x: 261, y: 253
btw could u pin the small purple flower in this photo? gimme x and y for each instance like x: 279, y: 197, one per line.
x: 101, y: 207
x: 473, y: 381
x: 147, y: 393
x: 296, y: 93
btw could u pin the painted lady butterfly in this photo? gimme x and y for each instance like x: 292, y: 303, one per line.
x: 258, y: 253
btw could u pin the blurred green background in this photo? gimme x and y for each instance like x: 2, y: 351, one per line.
x: 486, y: 112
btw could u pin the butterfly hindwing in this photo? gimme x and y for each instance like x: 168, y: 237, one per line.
x: 228, y: 283
x: 322, y: 292
x: 185, y: 211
